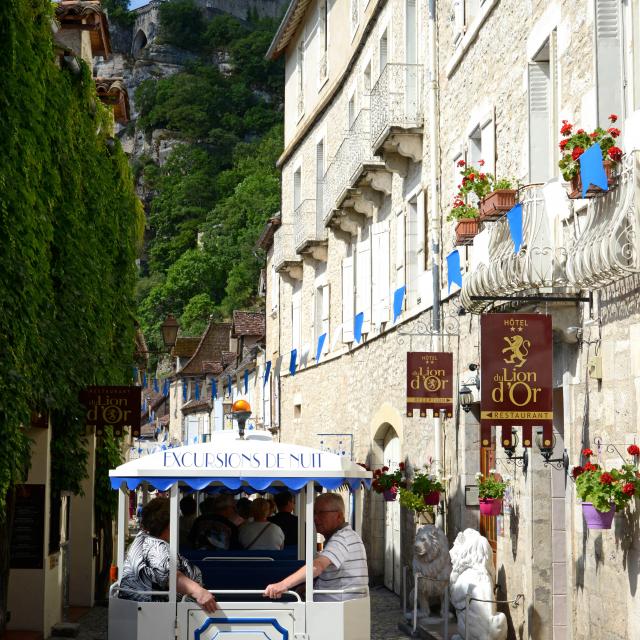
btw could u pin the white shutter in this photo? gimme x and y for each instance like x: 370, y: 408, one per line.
x: 400, y: 257
x: 296, y: 299
x: 411, y: 30
x: 363, y: 278
x: 380, y: 271
x: 319, y: 187
x: 488, y: 146
x: 458, y: 19
x: 412, y: 254
x: 539, y: 122
x: 297, y: 186
x: 275, y: 289
x: 421, y: 230
x: 266, y: 397
x: 609, y: 65
x: 384, y: 44
x: 325, y: 316
x: 347, y: 299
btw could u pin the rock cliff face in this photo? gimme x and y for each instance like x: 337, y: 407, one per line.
x: 137, y: 56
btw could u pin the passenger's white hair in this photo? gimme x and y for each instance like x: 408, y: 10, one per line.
x: 333, y: 499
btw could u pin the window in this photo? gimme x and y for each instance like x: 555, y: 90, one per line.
x: 323, y: 27
x: 416, y: 250
x: 363, y: 277
x: 399, y: 240
x: 383, y: 52
x: 351, y: 111
x: 610, y: 71
x: 543, y: 118
x: 321, y: 311
x: 297, y: 187
x: 380, y: 281
x: 300, y: 67
x: 275, y: 289
x: 319, y: 187
x: 464, y: 13
x: 296, y: 300
x: 347, y: 299
x: 366, y: 80
x: 411, y: 32
x: 481, y: 144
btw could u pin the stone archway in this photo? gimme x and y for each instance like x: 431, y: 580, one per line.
x: 139, y: 42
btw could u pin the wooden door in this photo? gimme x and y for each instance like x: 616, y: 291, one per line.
x: 488, y: 523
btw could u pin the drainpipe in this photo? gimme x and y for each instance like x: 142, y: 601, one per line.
x: 434, y: 218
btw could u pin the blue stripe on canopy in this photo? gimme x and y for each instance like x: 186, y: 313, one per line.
x: 235, y: 483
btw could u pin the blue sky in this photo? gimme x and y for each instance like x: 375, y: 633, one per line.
x: 134, y: 4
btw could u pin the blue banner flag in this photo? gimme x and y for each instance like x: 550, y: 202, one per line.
x: 214, y: 389
x: 144, y: 379
x: 135, y: 375
x: 398, y: 297
x: 246, y: 380
x: 592, y: 169
x: 292, y: 362
x: 184, y: 391
x: 267, y: 371
x: 454, y: 273
x: 514, y: 217
x: 197, y: 392
x: 357, y: 327
x: 229, y: 385
x: 156, y: 389
x: 165, y: 388
x: 321, y: 340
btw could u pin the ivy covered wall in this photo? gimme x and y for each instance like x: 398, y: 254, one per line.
x: 70, y: 225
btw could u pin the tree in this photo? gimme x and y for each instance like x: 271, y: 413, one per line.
x: 182, y: 24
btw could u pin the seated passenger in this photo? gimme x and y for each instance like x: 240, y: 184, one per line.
x: 342, y: 564
x: 146, y: 567
x: 261, y: 534
x: 243, y: 506
x: 188, y: 508
x: 215, y: 528
x: 285, y: 518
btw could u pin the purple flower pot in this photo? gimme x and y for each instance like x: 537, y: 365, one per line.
x: 598, y: 519
x: 432, y: 498
x: 490, y: 506
x: 390, y: 494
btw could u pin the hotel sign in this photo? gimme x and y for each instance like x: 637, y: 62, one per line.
x: 517, y: 366
x: 113, y: 407
x: 429, y: 383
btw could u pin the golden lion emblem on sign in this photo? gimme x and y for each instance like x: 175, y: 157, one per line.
x: 518, y: 348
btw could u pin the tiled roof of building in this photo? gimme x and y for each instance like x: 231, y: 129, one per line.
x: 265, y: 240
x: 288, y: 27
x: 212, y: 367
x: 112, y: 92
x: 195, y: 406
x: 185, y: 347
x: 248, y: 323
x: 210, y: 348
x: 71, y: 14
x: 228, y: 357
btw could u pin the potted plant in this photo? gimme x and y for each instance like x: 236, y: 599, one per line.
x: 499, y: 200
x: 491, y: 492
x: 415, y: 503
x: 426, y: 486
x: 602, y: 492
x: 387, y: 483
x: 573, y: 145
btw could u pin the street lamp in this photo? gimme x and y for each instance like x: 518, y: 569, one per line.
x: 169, y: 329
x: 241, y: 410
x: 546, y: 451
x: 465, y: 398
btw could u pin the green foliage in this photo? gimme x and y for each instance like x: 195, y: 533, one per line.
x: 413, y: 502
x: 182, y: 24
x: 196, y: 314
x: 70, y: 224
x: 491, y: 486
x: 424, y: 483
x: 222, y: 30
x: 118, y: 11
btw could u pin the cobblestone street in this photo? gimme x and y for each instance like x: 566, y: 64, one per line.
x: 385, y: 615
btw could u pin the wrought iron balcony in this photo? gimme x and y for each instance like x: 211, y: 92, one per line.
x: 310, y: 232
x: 607, y: 245
x: 539, y: 266
x: 397, y: 113
x: 285, y: 258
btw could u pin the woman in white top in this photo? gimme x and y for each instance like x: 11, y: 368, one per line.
x: 261, y: 534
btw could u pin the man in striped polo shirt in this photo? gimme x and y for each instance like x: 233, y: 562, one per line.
x: 342, y: 564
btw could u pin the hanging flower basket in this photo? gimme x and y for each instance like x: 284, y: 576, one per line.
x: 593, y: 191
x: 497, y: 203
x: 466, y: 231
x: 432, y: 498
x: 390, y: 495
x: 490, y: 506
x: 597, y: 519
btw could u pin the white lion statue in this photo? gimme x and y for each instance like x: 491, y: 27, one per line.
x: 431, y: 560
x: 473, y: 573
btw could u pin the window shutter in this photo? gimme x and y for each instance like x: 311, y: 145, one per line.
x: 380, y: 266
x: 412, y: 253
x: 275, y: 289
x: 539, y: 122
x: 458, y: 18
x: 421, y: 230
x: 411, y: 30
x: 384, y: 43
x: 347, y: 299
x: 400, y: 257
x: 296, y: 299
x: 297, y: 180
x: 488, y: 146
x: 609, y: 67
x: 325, y: 316
x: 319, y: 186
x: 363, y: 278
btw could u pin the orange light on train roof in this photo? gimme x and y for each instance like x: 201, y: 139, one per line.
x: 241, y: 405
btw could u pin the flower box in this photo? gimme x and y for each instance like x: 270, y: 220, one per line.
x: 575, y: 191
x: 432, y: 498
x: 494, y: 205
x: 490, y: 506
x: 597, y: 519
x: 390, y: 494
x: 466, y: 231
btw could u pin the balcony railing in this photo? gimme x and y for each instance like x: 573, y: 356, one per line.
x: 538, y: 267
x: 396, y: 100
x: 308, y: 225
x: 284, y: 253
x: 607, y: 246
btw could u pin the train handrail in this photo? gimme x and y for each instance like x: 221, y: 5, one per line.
x: 238, y: 559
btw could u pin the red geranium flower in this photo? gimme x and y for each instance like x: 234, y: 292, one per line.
x: 614, y: 131
x: 587, y: 452
x: 566, y: 128
x: 594, y: 135
x: 563, y: 144
x: 615, y: 153
x: 385, y: 469
x: 613, y: 117
x: 461, y: 163
x: 606, y: 478
x: 577, y: 471
x: 580, y: 131
x: 401, y: 465
x: 482, y: 176
x: 590, y: 467
x: 577, y: 152
x: 633, y: 450
x: 629, y: 488
x: 481, y: 163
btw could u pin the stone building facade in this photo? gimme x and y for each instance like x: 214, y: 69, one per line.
x: 383, y: 99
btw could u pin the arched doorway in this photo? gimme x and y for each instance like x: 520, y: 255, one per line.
x: 139, y: 42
